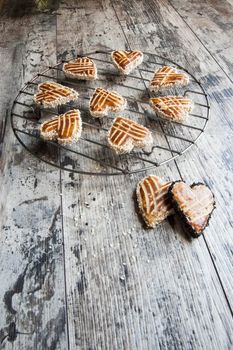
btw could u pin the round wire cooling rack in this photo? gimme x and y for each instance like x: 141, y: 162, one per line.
x: 92, y: 154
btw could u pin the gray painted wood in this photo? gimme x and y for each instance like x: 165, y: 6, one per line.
x: 127, y: 287
x: 131, y: 299
x: 212, y: 161
x: 213, y: 17
x: 31, y: 254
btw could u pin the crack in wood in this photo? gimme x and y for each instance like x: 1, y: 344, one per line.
x: 82, y: 282
x: 30, y: 201
x: 188, y: 319
x: 17, y: 288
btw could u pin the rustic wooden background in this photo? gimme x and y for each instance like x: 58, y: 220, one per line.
x: 91, y: 277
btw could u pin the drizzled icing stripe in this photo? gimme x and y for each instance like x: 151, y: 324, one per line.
x: 124, y: 128
x: 175, y: 106
x: 64, y: 125
x: 196, y: 203
x: 168, y: 75
x: 154, y: 189
x: 103, y: 98
x: 152, y: 195
x: 123, y: 58
x: 82, y: 66
x: 52, y: 91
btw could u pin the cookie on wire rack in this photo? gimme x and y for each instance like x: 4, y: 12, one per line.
x: 65, y: 128
x: 51, y: 94
x: 104, y: 101
x: 167, y: 77
x: 125, y: 134
x: 127, y: 61
x: 176, y: 108
x: 82, y: 68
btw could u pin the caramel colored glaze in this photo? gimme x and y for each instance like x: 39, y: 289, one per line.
x: 154, y: 201
x: 168, y: 75
x: 51, y: 92
x: 123, y: 58
x: 64, y: 125
x: 81, y: 66
x: 196, y: 203
x: 124, y: 128
x: 172, y: 106
x: 103, y: 99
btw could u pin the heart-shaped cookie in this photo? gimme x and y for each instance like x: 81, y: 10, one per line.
x: 125, y: 134
x: 103, y: 101
x: 153, y: 200
x: 126, y: 61
x: 65, y: 128
x: 80, y: 68
x: 51, y: 94
x: 174, y: 108
x: 194, y: 204
x: 166, y: 77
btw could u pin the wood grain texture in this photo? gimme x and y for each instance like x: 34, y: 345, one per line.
x: 211, y: 22
x: 209, y: 162
x: 130, y: 288
x: 127, y: 287
x: 31, y: 254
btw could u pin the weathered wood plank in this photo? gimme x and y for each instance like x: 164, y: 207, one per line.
x: 211, y: 22
x: 113, y: 301
x: 130, y: 288
x: 211, y: 151
x: 31, y: 254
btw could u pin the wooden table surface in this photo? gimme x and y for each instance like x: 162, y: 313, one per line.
x: 92, y: 277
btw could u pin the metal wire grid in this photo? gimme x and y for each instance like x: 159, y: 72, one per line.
x: 108, y: 167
